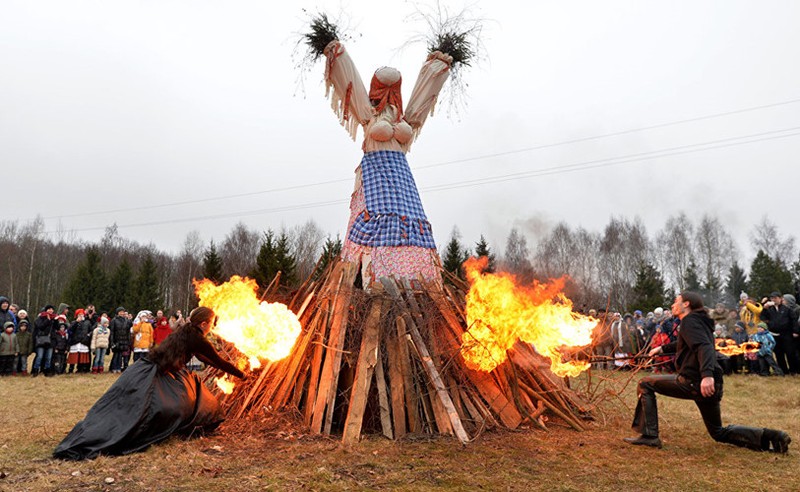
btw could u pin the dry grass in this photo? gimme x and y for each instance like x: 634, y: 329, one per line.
x: 276, y: 455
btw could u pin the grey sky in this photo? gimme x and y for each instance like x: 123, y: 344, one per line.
x: 115, y: 105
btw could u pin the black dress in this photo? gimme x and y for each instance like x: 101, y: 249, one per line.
x: 146, y: 405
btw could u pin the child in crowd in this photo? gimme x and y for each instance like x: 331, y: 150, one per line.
x: 162, y: 330
x: 660, y: 338
x: 739, y: 336
x: 765, y: 358
x: 99, y: 345
x: 142, y: 335
x: 25, y: 340
x: 60, y: 348
x: 9, y: 348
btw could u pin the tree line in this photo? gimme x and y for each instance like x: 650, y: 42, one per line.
x: 621, y: 267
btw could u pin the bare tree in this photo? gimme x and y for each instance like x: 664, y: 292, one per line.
x: 675, y: 249
x: 516, y: 259
x: 306, y: 243
x: 239, y: 250
x: 765, y: 236
x: 188, y: 266
x: 623, y: 247
x: 715, y: 253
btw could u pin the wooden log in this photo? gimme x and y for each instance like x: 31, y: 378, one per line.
x: 430, y: 369
x: 396, y: 385
x: 383, y: 396
x: 269, y: 290
x: 313, y: 381
x: 406, y: 369
x: 367, y: 360
x: 253, y: 390
x: 326, y: 395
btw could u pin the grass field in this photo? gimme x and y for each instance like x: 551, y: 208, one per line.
x: 277, y: 455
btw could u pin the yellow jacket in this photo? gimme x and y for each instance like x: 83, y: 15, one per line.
x: 142, y: 335
x: 750, y: 314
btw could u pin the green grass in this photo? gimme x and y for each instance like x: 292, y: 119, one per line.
x: 278, y: 455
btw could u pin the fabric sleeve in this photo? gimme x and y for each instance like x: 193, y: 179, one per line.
x: 344, y: 87
x: 204, y: 351
x: 669, y: 348
x: 429, y: 83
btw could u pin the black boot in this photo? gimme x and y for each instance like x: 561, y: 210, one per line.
x: 778, y: 439
x: 34, y: 372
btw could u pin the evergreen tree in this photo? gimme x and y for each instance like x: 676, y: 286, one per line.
x: 455, y: 255
x: 88, y: 284
x: 690, y: 279
x: 212, y: 264
x: 146, y: 293
x: 768, y: 275
x: 482, y: 249
x: 330, y: 251
x: 274, y: 256
x: 736, y: 284
x: 648, y: 292
x: 120, y: 287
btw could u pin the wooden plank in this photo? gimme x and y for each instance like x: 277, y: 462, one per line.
x: 411, y: 396
x: 313, y: 382
x: 396, y: 385
x: 383, y: 397
x: 430, y: 369
x: 367, y: 360
x: 335, y: 341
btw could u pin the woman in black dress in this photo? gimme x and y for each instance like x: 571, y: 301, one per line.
x: 155, y: 398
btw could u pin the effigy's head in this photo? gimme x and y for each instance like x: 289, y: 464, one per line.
x: 385, y: 89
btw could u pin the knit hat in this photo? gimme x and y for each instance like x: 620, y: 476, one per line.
x: 21, y: 313
x: 740, y: 324
x: 658, y: 311
x: 762, y: 325
x: 775, y: 293
x: 23, y: 322
x: 7, y: 324
x: 119, y: 310
x: 637, y: 312
x: 48, y: 306
x: 80, y: 312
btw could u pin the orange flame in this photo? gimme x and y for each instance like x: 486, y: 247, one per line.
x: 729, y: 347
x: 500, y: 312
x: 260, y: 330
x: 225, y: 384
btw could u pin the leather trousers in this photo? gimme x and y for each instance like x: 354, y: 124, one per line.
x: 645, y: 420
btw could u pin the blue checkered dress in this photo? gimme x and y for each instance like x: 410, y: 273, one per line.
x: 394, y: 215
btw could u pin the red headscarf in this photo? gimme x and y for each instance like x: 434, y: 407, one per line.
x: 378, y: 91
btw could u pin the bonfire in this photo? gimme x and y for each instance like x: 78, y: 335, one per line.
x: 452, y: 358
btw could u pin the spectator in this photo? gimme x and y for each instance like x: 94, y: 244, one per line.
x: 99, y: 345
x: 783, y: 326
x: 750, y: 313
x: 739, y: 336
x: 80, y: 339
x: 765, y: 358
x: 25, y: 340
x: 120, y: 341
x: 43, y: 329
x: 602, y: 341
x: 660, y: 338
x: 162, y: 329
x: 9, y: 349
x: 60, y: 348
x: 142, y: 334
x: 22, y: 314
x: 5, y: 313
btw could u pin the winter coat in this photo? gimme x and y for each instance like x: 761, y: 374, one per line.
x: 750, y: 314
x: 767, y: 342
x: 60, y: 341
x: 25, y: 340
x: 695, y: 351
x: 659, y: 339
x: 739, y: 337
x: 5, y: 314
x: 161, y: 331
x: 101, y: 338
x: 81, y: 332
x: 120, y: 339
x: 8, y: 344
x: 43, y: 329
x: 780, y: 319
x: 142, y: 335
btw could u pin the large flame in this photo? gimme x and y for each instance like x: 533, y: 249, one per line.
x: 259, y: 330
x: 500, y: 312
x: 729, y: 347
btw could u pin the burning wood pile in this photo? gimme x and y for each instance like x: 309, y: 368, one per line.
x: 448, y: 359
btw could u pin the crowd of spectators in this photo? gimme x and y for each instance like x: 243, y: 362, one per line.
x: 80, y: 345
x: 766, y: 331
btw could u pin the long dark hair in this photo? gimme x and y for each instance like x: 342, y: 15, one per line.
x: 174, y: 352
